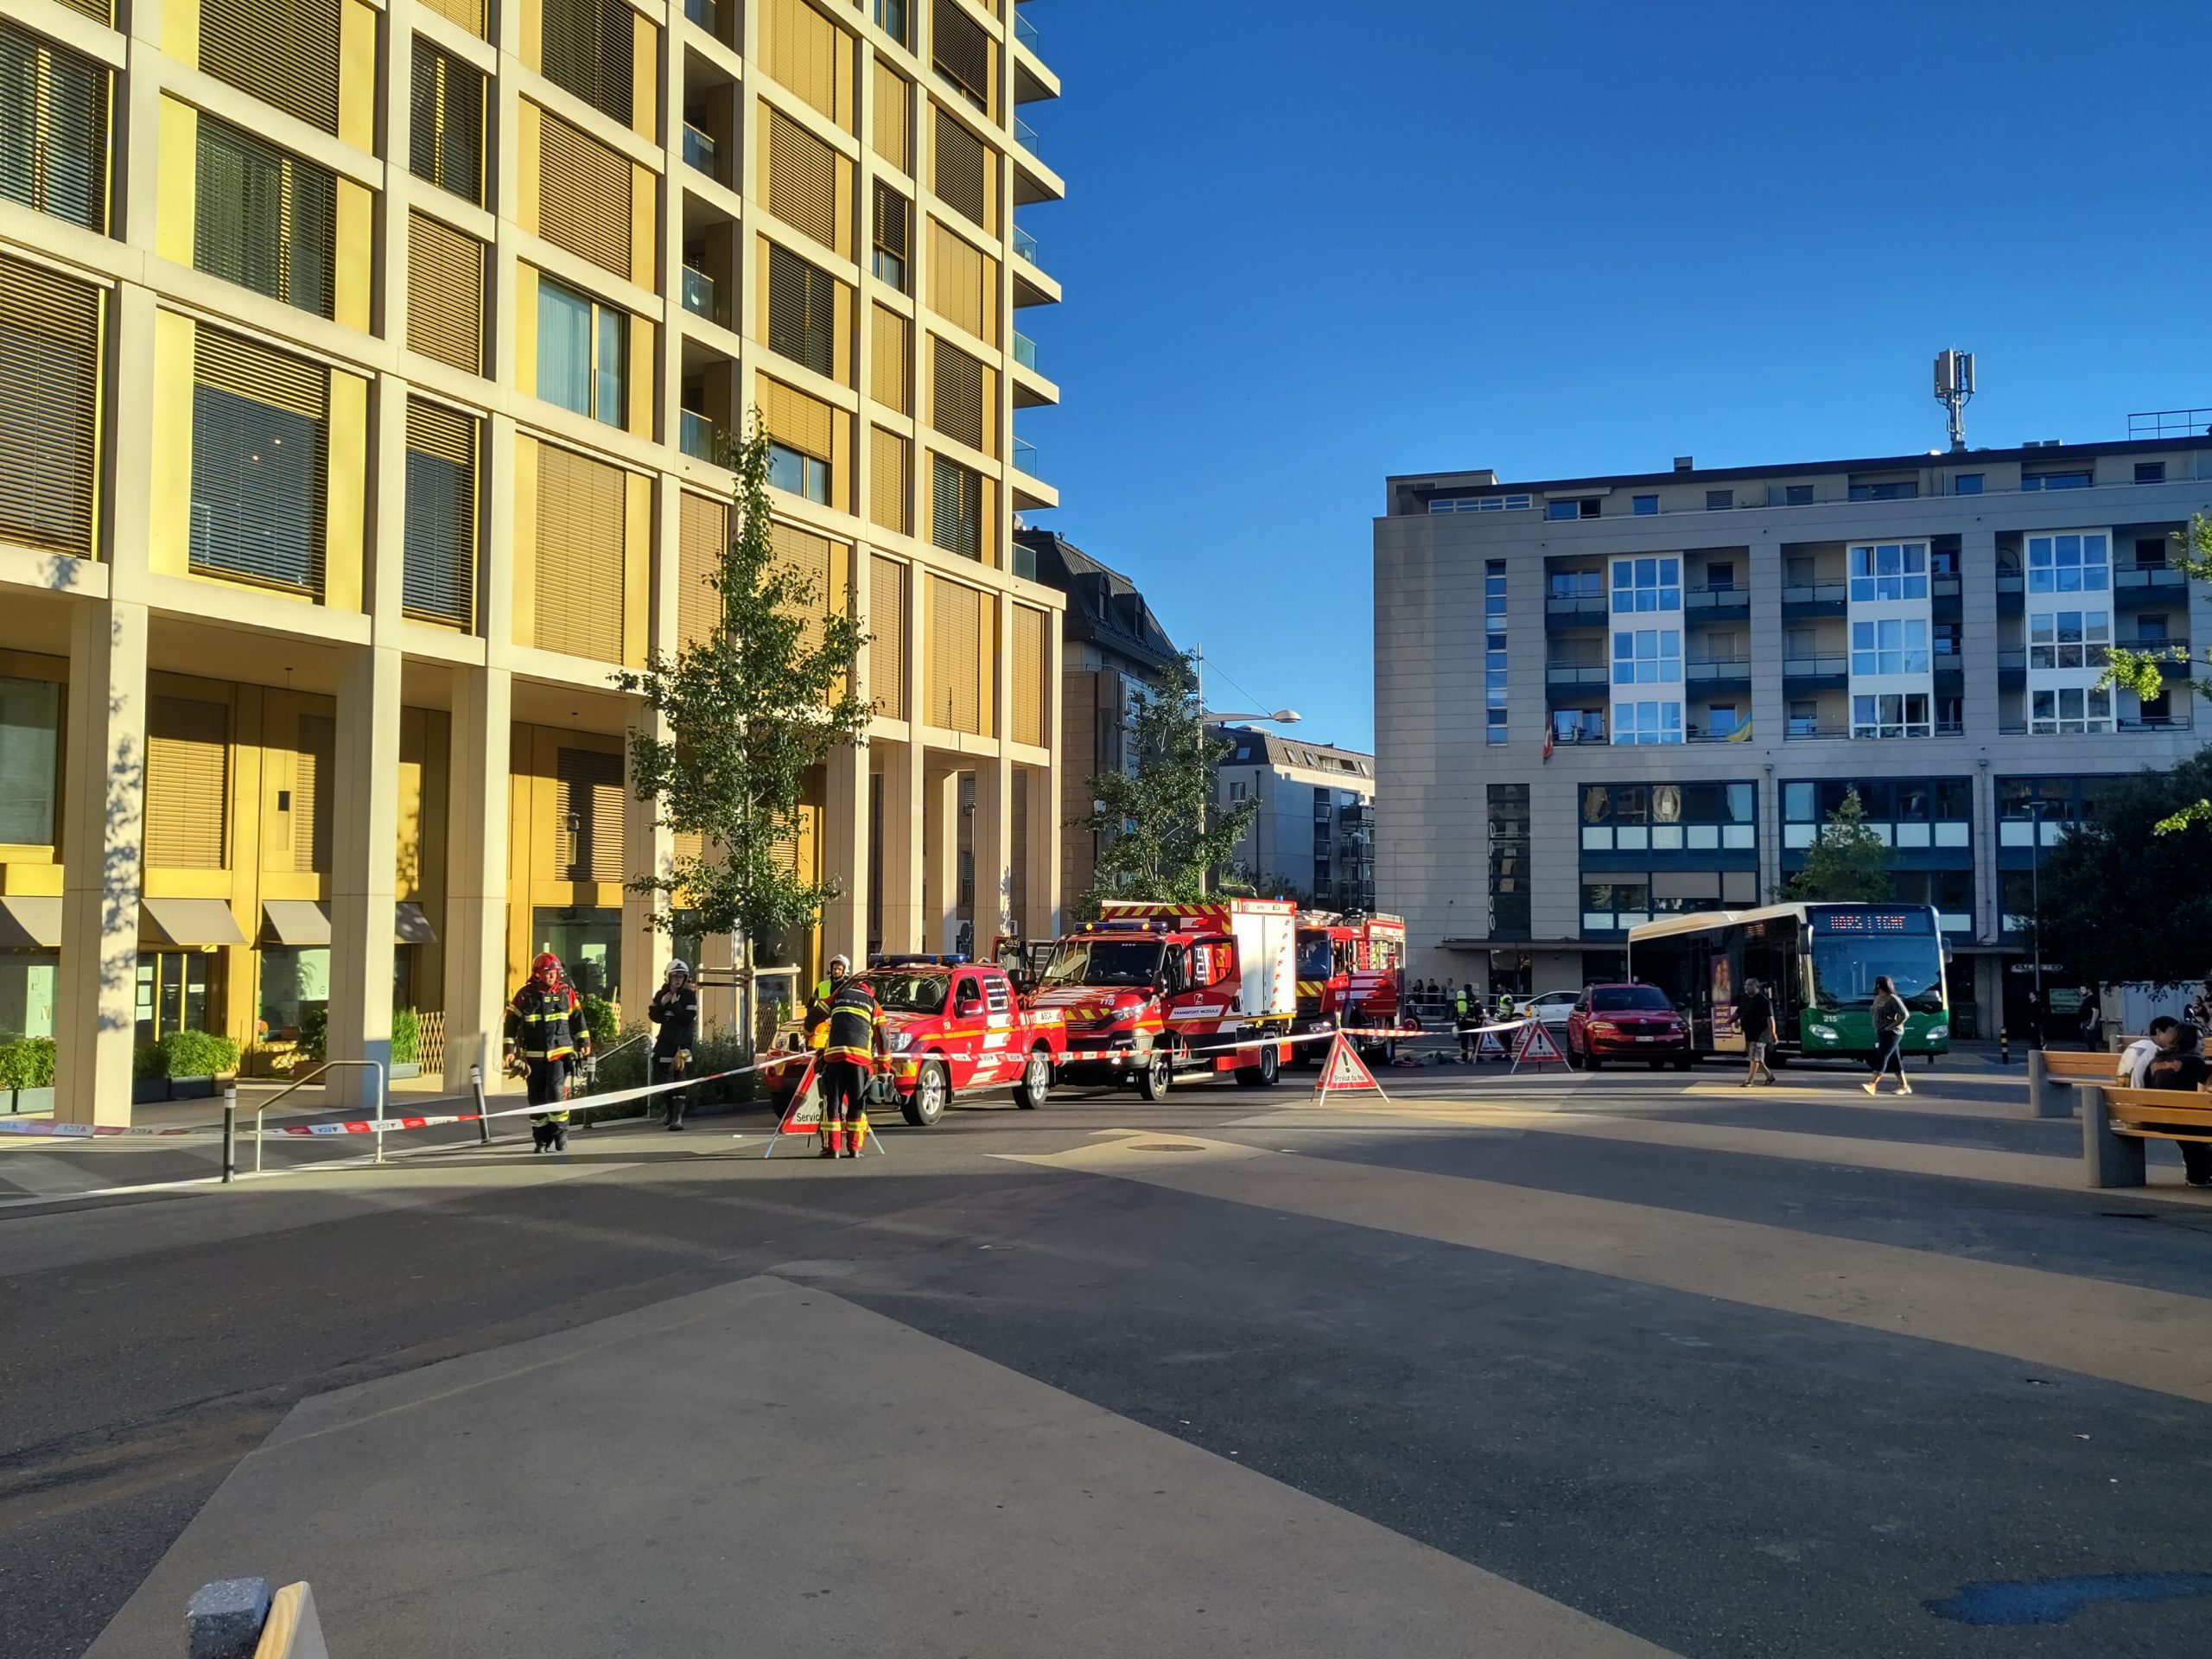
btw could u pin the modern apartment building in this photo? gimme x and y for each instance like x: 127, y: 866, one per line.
x: 364, y: 365
x: 1113, y: 648
x: 1603, y: 699
x: 1315, y: 828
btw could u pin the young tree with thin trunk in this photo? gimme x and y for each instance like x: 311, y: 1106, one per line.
x: 1848, y: 865
x: 748, y: 709
x: 2143, y: 673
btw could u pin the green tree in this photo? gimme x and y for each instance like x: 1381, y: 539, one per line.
x: 1848, y: 865
x: 2143, y: 673
x: 1164, y: 831
x: 748, y: 710
x: 2123, y: 895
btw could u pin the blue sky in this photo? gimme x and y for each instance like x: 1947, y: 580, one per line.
x: 1303, y: 250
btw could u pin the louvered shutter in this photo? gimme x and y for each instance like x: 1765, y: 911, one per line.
x: 312, y: 782
x: 894, y: 117
x: 584, y: 196
x: 956, y: 508
x: 702, y: 539
x: 886, y: 626
x: 589, y: 47
x: 580, y: 513
x: 894, y: 225
x: 439, y: 582
x: 284, y: 52
x: 260, y: 442
x: 960, y: 48
x: 960, y: 170
x: 469, y: 14
x: 956, y: 657
x: 54, y: 129
x: 955, y: 279
x: 890, y: 369
x: 263, y: 218
x: 445, y: 293
x: 890, y: 479
x: 446, y: 136
x: 800, y: 47
x: 1028, y: 671
x: 802, y: 180
x: 804, y: 423
x: 589, y: 797
x: 957, y: 394
x: 49, y: 409
x: 802, y: 310
x: 99, y: 10
x: 187, y: 783
x: 807, y: 558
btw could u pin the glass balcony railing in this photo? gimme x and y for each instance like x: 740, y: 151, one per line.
x: 1024, y: 457
x: 699, y: 437
x: 1025, y: 136
x: 705, y: 13
x: 1025, y: 246
x: 701, y: 151
x: 1024, y: 352
x: 1024, y: 30
x: 699, y: 298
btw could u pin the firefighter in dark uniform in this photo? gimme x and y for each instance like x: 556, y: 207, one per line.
x: 546, y: 1040
x: 825, y: 993
x: 674, y: 1011
x: 855, y: 1026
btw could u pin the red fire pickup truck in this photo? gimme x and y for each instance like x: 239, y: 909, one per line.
x: 949, y: 1029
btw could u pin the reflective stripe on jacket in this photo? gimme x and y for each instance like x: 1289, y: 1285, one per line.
x: 855, y: 1019
x: 546, y: 1024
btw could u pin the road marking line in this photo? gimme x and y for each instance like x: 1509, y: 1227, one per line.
x: 2145, y: 1339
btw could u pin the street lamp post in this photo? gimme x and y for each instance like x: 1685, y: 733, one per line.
x: 2034, y: 905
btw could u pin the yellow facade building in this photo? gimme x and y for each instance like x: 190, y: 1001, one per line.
x: 363, y: 366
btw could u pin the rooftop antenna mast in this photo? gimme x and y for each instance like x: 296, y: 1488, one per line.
x: 1953, y: 388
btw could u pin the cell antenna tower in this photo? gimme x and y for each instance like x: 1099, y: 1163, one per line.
x: 1954, y: 387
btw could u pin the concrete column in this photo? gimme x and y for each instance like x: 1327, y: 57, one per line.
x: 940, y: 839
x: 902, y: 846
x: 476, y: 874
x: 364, y: 879
x: 1047, y: 812
x: 103, y: 870
x: 1978, y: 630
x: 995, y: 851
x: 845, y: 836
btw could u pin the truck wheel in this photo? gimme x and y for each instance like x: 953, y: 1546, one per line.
x: 1153, y: 1082
x: 1265, y: 1074
x: 932, y: 1089
x: 1036, y: 1080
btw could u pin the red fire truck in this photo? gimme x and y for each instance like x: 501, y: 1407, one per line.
x: 953, y: 1027
x: 1351, y: 974
x: 1155, y: 989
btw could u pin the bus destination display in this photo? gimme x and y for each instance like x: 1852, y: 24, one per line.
x: 1872, y: 921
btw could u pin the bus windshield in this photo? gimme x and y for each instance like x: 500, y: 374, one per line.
x: 1103, y: 962
x: 1846, y: 967
x: 911, y: 992
x: 1315, y: 961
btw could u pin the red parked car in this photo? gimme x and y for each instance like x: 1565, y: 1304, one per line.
x: 1627, y: 1023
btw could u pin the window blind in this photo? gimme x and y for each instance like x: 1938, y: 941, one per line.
x: 284, y: 52
x: 802, y: 311
x: 808, y: 560
x: 802, y: 180
x: 1028, y: 670
x: 258, y: 463
x: 447, y: 132
x: 800, y: 47
x: 312, y: 778
x: 955, y: 681
x: 99, y: 10
x: 961, y: 49
x: 54, y: 129
x: 956, y: 508
x: 30, y: 749
x: 581, y: 544
x: 957, y: 394
x: 587, y: 49
x: 889, y: 369
x: 702, y: 539
x: 187, y: 782
x: 887, y: 644
x: 895, y: 224
x: 588, y: 796
x: 49, y: 409
x: 960, y: 178
x: 439, y: 578
x: 445, y: 293
x: 805, y: 423
x: 894, y: 117
x: 468, y: 14
x: 264, y: 219
x: 583, y: 198
x: 956, y: 279
x: 891, y: 477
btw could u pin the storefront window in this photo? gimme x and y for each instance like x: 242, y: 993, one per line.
x: 588, y: 943
x: 30, y: 718
x: 295, y: 982
x: 172, y: 992
x: 27, y: 984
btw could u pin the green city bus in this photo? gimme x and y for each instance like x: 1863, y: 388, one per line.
x: 1819, y: 963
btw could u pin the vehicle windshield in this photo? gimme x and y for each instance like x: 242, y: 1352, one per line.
x: 1845, y: 969
x: 1315, y: 960
x: 911, y: 992
x: 1641, y: 999
x: 1103, y: 962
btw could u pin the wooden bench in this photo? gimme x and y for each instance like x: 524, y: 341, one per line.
x: 2054, y: 1074
x: 2116, y: 1122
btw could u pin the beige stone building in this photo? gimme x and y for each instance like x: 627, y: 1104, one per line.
x: 362, y: 367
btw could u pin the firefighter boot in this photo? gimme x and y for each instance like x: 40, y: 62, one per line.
x: 828, y: 1137
x: 853, y: 1137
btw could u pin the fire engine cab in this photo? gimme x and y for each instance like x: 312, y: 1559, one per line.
x: 1351, y: 974
x: 1151, y: 990
x: 950, y: 1026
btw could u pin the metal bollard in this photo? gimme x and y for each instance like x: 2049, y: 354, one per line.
x: 483, y: 1122
x: 230, y: 1134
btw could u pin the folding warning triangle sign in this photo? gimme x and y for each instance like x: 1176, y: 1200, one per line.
x: 1536, y: 1046
x: 1489, y: 1045
x: 1344, y: 1071
x: 803, y: 1115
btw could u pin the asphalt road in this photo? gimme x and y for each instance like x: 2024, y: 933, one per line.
x: 1784, y: 1372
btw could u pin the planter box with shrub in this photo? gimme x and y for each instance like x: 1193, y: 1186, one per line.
x: 183, y: 1065
x: 27, y: 1075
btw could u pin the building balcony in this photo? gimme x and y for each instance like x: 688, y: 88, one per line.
x: 1031, y: 389
x: 700, y: 438
x: 2134, y: 586
x: 707, y: 14
x: 1032, y: 286
x: 1713, y: 672
x: 1730, y: 602
x: 1574, y: 611
x: 1033, y: 181
x: 1033, y: 80
x: 1811, y: 731
x: 1945, y: 597
x: 1574, y: 682
x: 1031, y: 493
x: 701, y: 153
x: 702, y: 298
x: 1815, y: 599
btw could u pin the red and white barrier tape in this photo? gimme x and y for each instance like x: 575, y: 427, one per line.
x: 1358, y: 1033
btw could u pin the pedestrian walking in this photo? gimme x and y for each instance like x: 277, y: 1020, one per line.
x: 2183, y: 1067
x: 675, y: 1013
x: 1889, y: 1016
x: 2091, y: 1014
x: 1755, y: 1019
x: 546, y: 1040
x: 854, y: 1031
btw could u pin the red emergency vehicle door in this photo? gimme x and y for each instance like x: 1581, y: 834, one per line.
x: 1198, y: 1013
